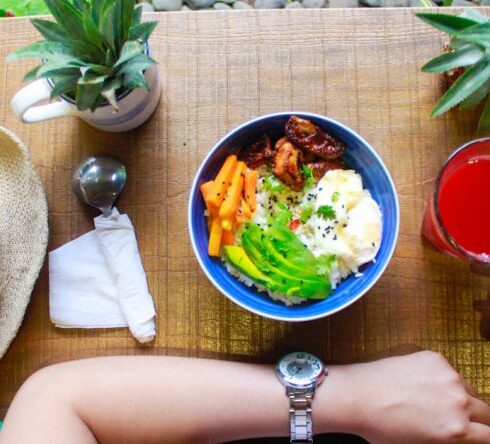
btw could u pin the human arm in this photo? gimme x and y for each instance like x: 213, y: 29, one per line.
x: 417, y: 398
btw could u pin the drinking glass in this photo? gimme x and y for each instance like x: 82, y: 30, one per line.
x: 433, y: 227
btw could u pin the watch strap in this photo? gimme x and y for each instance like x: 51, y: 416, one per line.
x: 301, y: 425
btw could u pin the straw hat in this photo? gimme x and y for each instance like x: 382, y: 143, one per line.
x: 23, y: 233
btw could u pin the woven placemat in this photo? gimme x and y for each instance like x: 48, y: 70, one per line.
x: 23, y: 233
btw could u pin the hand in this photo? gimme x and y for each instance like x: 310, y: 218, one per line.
x: 417, y: 399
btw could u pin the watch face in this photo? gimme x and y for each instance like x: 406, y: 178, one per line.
x: 300, y: 370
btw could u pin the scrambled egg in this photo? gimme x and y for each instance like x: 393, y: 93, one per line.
x: 354, y: 233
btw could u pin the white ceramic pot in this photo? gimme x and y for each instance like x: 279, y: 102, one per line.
x: 135, y: 106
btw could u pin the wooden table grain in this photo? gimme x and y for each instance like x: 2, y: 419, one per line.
x: 359, y: 66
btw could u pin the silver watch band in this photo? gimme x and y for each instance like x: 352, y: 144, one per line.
x: 300, y: 415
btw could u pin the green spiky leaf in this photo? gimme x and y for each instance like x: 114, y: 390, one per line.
x: 479, y: 34
x: 67, y: 16
x: 42, y: 50
x: 474, y: 15
x: 451, y: 24
x: 466, y: 85
x: 142, y: 31
x: 92, y: 51
x: 475, y: 98
x: 88, y: 91
x: 64, y: 84
x: 465, y: 56
x: 50, y: 30
x: 32, y: 74
x: 484, y: 123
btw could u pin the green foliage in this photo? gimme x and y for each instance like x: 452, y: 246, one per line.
x: 470, y: 49
x: 23, y: 7
x: 326, y: 212
x: 307, y: 173
x: 93, y: 51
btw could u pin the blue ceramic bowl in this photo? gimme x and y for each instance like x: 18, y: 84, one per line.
x: 359, y: 155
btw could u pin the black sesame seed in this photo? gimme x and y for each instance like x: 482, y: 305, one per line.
x: 323, y: 236
x: 335, y: 237
x: 373, y: 244
x: 219, y: 194
x: 344, y: 225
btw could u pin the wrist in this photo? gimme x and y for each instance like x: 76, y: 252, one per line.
x: 337, y: 407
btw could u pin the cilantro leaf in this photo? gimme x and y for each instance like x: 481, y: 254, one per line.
x: 326, y: 212
x: 282, y: 215
x: 306, y: 213
x: 335, y: 196
x: 325, y: 263
x: 307, y: 173
x: 272, y: 184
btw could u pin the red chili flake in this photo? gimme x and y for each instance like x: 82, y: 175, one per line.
x: 294, y: 224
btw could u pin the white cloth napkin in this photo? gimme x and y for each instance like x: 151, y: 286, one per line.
x: 98, y: 281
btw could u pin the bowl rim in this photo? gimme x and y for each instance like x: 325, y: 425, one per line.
x: 195, y: 188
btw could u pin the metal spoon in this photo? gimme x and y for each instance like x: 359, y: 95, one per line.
x: 98, y: 181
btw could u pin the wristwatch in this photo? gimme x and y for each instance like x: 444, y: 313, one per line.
x: 301, y: 373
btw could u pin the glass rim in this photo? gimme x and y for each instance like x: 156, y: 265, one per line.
x: 473, y: 257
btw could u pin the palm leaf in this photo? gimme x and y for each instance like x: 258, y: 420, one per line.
x: 484, y: 123
x: 466, y: 85
x: 466, y: 55
x: 451, y: 24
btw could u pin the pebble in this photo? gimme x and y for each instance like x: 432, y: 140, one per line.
x: 200, y: 4
x: 270, y: 4
x: 185, y: 8
x: 221, y: 6
x: 167, y: 5
x: 147, y: 7
x: 313, y: 3
x: 241, y: 5
x: 294, y: 5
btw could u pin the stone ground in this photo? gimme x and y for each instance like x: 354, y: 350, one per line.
x: 188, y: 5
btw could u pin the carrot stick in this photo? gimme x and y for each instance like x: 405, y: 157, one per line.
x: 251, y: 188
x: 222, y: 181
x: 206, y: 190
x: 247, y: 212
x: 233, y: 196
x: 215, y: 238
x: 227, y: 237
x: 227, y: 224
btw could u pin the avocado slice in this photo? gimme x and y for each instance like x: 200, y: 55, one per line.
x: 307, y: 284
x: 238, y: 259
x: 288, y: 245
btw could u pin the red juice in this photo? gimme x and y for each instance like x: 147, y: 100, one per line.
x: 457, y: 218
x: 464, y: 204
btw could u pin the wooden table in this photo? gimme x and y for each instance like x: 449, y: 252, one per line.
x: 360, y: 66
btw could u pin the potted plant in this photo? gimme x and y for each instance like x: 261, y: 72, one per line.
x: 95, y: 59
x: 466, y: 62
